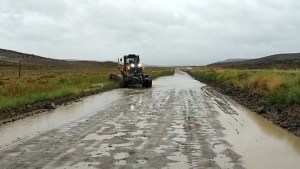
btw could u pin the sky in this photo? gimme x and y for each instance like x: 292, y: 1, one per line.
x: 162, y: 32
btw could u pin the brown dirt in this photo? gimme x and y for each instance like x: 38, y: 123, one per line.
x: 287, y: 117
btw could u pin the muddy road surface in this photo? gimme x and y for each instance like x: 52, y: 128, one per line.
x: 179, y: 123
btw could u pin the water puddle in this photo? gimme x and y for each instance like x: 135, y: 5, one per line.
x: 95, y: 136
x: 120, y: 156
x: 141, y: 161
x: 137, y: 133
x: 33, y: 125
x: 179, y: 161
x: 222, y: 160
x: 82, y: 165
x: 260, y: 143
x: 142, y: 124
x: 161, y: 149
x: 120, y: 162
x: 102, y: 150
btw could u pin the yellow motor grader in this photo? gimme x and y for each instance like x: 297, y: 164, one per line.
x: 131, y: 72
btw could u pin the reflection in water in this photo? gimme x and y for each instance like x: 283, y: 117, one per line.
x: 275, y: 131
x: 260, y: 143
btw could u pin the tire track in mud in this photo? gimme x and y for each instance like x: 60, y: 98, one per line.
x: 164, y: 127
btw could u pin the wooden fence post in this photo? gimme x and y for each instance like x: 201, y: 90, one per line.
x: 20, y: 67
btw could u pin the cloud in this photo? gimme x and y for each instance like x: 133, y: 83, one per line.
x: 165, y: 32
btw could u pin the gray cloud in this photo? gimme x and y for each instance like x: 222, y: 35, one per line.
x: 163, y: 32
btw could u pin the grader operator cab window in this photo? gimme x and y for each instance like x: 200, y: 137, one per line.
x: 131, y: 61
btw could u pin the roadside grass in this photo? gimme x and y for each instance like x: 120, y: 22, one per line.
x: 158, y: 72
x: 277, y: 87
x: 48, y: 83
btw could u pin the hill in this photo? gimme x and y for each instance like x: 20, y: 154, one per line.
x: 10, y: 57
x: 279, y: 61
x: 231, y: 60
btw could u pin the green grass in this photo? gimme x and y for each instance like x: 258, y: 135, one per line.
x: 45, y: 84
x: 158, y: 72
x: 276, y: 87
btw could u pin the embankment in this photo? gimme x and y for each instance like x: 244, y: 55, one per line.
x: 275, y: 95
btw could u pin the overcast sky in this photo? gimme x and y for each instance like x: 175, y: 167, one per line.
x: 165, y: 32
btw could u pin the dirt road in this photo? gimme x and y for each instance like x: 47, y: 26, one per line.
x: 179, y: 123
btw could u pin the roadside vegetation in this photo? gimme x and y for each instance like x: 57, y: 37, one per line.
x: 39, y: 84
x: 275, y: 86
x: 159, y: 72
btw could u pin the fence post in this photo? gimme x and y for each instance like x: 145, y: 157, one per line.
x: 20, y: 67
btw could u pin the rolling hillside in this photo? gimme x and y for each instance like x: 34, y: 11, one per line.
x: 279, y: 61
x: 232, y: 60
x: 9, y: 57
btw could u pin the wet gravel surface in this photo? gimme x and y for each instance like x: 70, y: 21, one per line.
x: 176, y: 124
